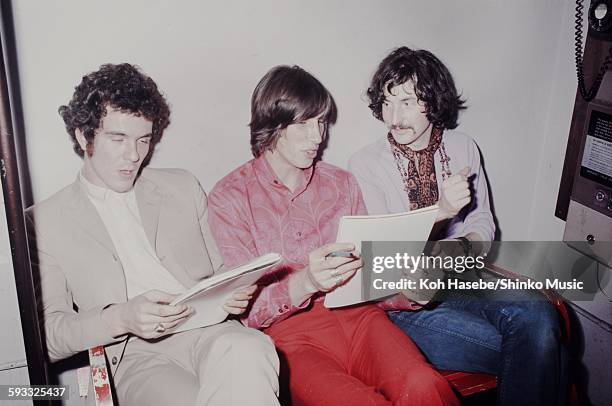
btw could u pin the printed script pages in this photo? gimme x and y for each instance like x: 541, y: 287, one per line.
x: 208, y: 296
x: 410, y: 226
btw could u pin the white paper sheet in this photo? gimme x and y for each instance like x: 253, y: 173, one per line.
x: 415, y: 225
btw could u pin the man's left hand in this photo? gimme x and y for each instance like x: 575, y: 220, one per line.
x: 239, y: 301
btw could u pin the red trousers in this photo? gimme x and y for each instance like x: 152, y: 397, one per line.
x: 355, y: 356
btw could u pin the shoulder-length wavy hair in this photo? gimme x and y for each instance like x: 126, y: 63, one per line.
x: 433, y: 85
x: 287, y: 95
x: 122, y: 87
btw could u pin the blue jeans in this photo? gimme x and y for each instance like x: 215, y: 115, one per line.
x: 515, y: 335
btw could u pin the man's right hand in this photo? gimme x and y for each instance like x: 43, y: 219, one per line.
x: 147, y: 316
x: 455, y: 194
x: 324, y: 273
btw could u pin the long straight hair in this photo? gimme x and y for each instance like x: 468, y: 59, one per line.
x: 287, y: 95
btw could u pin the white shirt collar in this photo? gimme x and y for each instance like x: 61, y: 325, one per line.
x: 99, y: 193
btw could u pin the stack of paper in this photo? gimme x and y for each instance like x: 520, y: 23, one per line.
x: 208, y: 296
x: 414, y: 225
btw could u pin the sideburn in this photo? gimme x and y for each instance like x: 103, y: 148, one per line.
x: 89, y: 148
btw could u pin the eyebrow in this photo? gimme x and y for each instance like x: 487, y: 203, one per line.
x: 408, y: 97
x: 112, y: 132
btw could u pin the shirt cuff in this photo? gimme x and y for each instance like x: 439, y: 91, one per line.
x: 399, y: 302
x: 273, y: 305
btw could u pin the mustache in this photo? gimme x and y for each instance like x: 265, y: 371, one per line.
x: 400, y: 126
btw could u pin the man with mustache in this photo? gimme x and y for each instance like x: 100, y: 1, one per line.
x: 422, y: 161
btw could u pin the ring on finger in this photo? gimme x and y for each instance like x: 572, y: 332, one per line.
x: 159, y: 328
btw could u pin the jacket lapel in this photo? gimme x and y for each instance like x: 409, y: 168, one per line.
x: 149, y: 201
x: 86, y: 216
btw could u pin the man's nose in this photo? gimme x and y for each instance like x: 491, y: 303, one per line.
x: 395, y: 117
x: 131, y: 152
x: 314, y: 132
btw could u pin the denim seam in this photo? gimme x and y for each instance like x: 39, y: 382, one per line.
x: 440, y: 330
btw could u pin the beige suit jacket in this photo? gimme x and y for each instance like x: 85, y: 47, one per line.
x: 78, y: 269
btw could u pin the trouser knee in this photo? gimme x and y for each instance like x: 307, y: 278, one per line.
x: 539, y: 322
x: 252, y: 344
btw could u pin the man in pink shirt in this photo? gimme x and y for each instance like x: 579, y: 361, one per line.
x: 286, y: 201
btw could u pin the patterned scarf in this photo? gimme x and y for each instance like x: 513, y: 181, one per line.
x: 419, y: 183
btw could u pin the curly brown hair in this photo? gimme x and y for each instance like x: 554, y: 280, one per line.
x: 433, y: 85
x: 122, y: 87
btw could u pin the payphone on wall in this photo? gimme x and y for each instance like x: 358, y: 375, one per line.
x: 585, y: 201
x: 589, y: 215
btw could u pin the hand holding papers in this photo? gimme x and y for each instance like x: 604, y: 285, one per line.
x: 208, y: 296
x: 410, y: 226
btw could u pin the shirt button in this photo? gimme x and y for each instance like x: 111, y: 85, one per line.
x: 114, y: 361
x: 285, y: 307
x: 280, y: 310
x: 298, y: 234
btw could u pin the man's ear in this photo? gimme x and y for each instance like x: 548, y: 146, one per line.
x: 80, y: 137
x: 87, y: 147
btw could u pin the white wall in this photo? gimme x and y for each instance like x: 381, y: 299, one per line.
x: 512, y: 59
x: 553, y: 140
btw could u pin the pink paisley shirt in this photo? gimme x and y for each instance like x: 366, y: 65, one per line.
x: 251, y: 213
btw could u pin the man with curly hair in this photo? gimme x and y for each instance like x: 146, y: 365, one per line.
x: 114, y: 248
x: 423, y: 161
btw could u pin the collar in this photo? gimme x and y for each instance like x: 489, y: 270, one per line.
x: 101, y: 194
x: 266, y: 175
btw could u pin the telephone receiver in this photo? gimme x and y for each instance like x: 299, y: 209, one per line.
x: 600, y: 28
x: 600, y: 19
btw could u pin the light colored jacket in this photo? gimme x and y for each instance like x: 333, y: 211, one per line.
x: 383, y: 188
x: 78, y: 269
